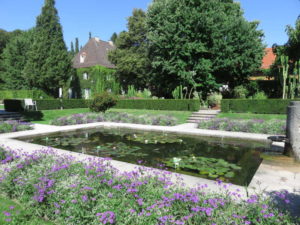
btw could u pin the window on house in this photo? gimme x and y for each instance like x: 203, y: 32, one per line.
x: 85, y: 76
x: 82, y: 57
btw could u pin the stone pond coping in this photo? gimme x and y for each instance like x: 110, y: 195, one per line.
x: 268, y: 178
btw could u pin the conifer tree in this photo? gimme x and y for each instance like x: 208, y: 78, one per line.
x: 76, y: 45
x: 49, y: 64
x: 14, y: 57
x: 114, y: 37
x: 90, y: 35
x: 72, y: 48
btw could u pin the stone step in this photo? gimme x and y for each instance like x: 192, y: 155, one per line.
x: 4, y: 116
x: 203, y: 116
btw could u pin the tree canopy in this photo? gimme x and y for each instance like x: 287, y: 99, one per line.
x: 201, y: 44
x: 293, y: 44
x: 49, y: 64
x: 130, y: 56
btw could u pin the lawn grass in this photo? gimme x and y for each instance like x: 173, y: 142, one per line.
x: 252, y: 116
x: 52, y: 114
x: 18, y: 213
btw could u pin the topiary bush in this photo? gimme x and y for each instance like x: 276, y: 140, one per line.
x: 102, y: 102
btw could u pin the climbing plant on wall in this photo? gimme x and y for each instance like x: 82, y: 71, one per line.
x: 98, y: 79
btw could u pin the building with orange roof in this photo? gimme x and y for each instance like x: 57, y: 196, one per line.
x: 268, y: 59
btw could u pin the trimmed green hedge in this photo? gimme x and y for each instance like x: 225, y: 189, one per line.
x: 151, y: 104
x: 75, y: 103
x: 47, y: 104
x: 261, y: 106
x: 160, y: 104
x: 13, y: 94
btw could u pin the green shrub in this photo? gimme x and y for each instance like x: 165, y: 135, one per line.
x: 261, y: 106
x: 214, y: 99
x: 260, y: 95
x: 102, y: 102
x: 240, y: 92
x: 160, y: 104
x: 131, y: 92
x: 144, y: 94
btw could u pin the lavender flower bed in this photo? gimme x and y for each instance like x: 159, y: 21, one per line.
x: 13, y: 126
x: 67, y: 191
x: 83, y: 118
x: 249, y: 126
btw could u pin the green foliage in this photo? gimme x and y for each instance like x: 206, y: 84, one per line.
x: 100, y: 79
x: 160, y: 104
x: 263, y: 106
x: 293, y: 44
x: 49, y: 64
x: 272, y: 126
x: 74, y: 103
x: 214, y: 99
x: 212, y: 167
x: 177, y: 93
x: 47, y: 104
x: 76, y: 45
x: 222, y: 48
x: 144, y: 94
x: 34, y: 94
x: 131, y: 92
x: 240, y: 92
x: 114, y: 37
x: 260, y: 95
x: 130, y: 55
x: 14, y: 58
x: 102, y: 102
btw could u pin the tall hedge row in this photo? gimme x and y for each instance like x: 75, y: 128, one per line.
x: 14, y: 105
x: 13, y: 94
x: 261, y: 106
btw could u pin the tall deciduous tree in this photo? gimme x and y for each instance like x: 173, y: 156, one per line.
x: 130, y: 56
x: 201, y: 43
x: 49, y: 64
x: 14, y: 57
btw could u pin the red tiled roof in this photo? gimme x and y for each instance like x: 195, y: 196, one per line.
x: 268, y: 59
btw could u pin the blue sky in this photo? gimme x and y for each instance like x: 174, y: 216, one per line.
x: 103, y: 18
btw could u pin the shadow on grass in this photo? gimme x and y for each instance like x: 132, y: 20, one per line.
x: 33, y: 115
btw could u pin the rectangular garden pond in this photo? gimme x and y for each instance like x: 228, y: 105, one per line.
x: 233, y: 161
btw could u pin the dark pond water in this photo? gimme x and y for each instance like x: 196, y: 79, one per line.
x: 212, y: 158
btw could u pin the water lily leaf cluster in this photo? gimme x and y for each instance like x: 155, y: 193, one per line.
x: 211, y: 167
